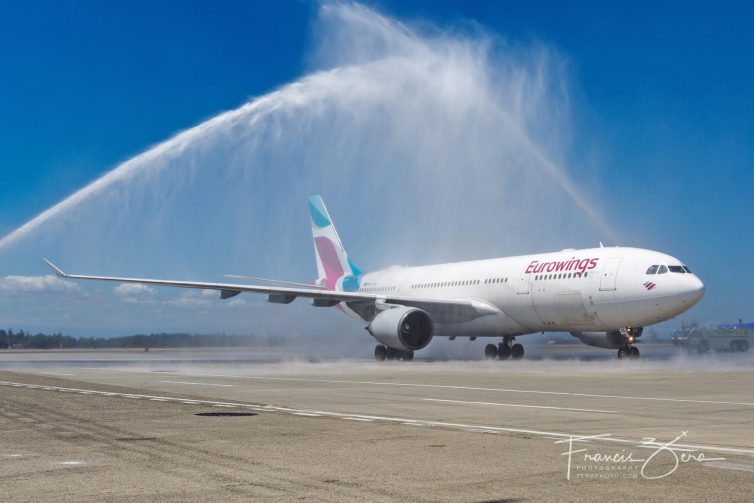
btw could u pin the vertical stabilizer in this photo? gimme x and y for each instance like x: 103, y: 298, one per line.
x: 335, y: 270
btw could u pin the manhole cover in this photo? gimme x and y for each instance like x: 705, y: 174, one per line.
x: 225, y: 414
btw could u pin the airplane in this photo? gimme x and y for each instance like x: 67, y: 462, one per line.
x: 603, y: 296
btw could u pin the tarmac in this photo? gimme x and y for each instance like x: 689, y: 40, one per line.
x: 255, y: 424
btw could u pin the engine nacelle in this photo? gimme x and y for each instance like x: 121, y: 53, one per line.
x: 404, y: 328
x: 607, y: 340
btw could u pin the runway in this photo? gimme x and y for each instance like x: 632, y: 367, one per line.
x: 78, y: 423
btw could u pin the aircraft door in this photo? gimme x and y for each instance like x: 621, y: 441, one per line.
x: 610, y: 274
x: 523, y: 284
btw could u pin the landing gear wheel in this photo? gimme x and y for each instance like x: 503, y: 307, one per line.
x: 503, y: 351
x: 743, y: 346
x: 380, y: 353
x: 517, y: 351
x: 407, y: 356
x: 490, y: 351
x: 392, y: 354
x: 634, y: 352
x: 622, y: 353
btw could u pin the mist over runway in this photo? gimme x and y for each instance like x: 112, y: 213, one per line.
x: 492, y: 429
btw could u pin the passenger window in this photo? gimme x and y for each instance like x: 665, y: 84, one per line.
x: 662, y: 270
x: 652, y: 269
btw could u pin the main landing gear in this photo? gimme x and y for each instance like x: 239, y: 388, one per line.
x: 504, y: 350
x: 382, y: 353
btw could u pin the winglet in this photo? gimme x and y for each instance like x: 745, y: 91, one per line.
x: 57, y: 271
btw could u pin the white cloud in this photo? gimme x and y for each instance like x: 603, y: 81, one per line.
x: 133, y: 290
x: 35, y: 284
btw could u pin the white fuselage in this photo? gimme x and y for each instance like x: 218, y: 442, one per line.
x: 598, y: 289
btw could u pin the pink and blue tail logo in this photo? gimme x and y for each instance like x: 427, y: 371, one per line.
x: 333, y: 264
x: 649, y: 285
x: 318, y: 212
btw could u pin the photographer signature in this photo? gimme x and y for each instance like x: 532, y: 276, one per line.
x: 679, y: 454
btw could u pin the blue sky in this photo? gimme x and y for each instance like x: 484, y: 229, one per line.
x: 661, y: 97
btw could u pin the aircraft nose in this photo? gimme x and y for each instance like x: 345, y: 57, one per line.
x: 694, y: 289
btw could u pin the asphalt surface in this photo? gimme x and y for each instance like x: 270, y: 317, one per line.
x: 123, y: 425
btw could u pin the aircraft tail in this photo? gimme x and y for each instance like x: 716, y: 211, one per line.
x: 335, y: 270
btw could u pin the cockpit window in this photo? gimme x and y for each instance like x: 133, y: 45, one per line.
x: 687, y: 269
x: 652, y: 269
x: 662, y: 270
x: 677, y: 268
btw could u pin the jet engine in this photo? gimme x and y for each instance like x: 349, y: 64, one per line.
x: 607, y: 340
x: 404, y: 328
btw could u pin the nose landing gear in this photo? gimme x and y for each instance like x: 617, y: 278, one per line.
x: 628, y: 351
x: 630, y: 335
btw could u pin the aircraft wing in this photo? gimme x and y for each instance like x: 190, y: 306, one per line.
x: 443, y: 310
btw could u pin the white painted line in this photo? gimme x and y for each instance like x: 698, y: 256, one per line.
x: 521, y: 405
x: 604, y: 437
x: 220, y: 405
x: 158, y: 399
x: 306, y: 414
x: 730, y: 466
x: 501, y: 390
x: 260, y: 390
x: 356, y: 418
x: 200, y: 383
